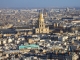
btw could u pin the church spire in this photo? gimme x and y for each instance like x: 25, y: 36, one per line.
x: 41, y: 17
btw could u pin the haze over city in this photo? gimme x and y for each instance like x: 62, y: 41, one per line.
x: 39, y: 29
x: 38, y: 3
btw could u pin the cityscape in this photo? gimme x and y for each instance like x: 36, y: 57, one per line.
x: 50, y: 33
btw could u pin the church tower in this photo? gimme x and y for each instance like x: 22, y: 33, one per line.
x: 41, y: 25
x: 41, y: 21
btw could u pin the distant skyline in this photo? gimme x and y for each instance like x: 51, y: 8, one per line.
x: 38, y: 3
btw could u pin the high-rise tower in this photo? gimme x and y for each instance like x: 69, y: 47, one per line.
x: 41, y: 25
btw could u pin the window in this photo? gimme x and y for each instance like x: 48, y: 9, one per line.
x: 37, y: 29
x: 41, y: 29
x: 40, y: 25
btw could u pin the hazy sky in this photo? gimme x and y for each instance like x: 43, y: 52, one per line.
x: 38, y: 3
